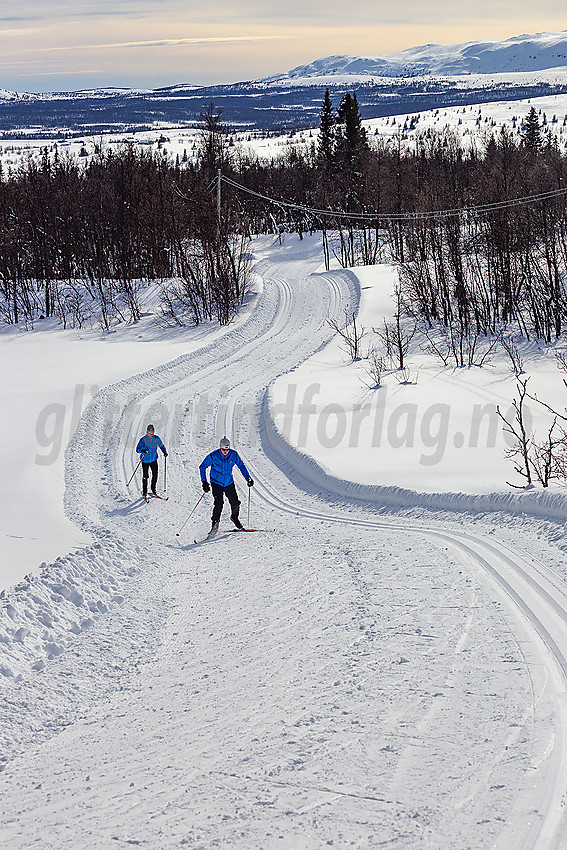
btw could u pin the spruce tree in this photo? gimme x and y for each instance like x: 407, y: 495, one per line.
x: 325, y: 147
x: 532, y: 138
x: 345, y: 119
x: 350, y: 120
x: 351, y: 135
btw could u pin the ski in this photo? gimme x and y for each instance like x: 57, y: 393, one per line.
x: 226, y: 531
x: 208, y: 537
x: 157, y: 496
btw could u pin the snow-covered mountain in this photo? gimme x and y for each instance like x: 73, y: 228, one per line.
x: 523, y: 53
x: 7, y: 95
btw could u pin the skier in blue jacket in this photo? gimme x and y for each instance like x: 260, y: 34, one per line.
x: 221, y: 462
x: 147, y: 448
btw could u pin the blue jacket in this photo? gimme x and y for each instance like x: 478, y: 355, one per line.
x: 148, y: 446
x: 221, y: 467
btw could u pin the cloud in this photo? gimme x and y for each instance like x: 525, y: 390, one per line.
x: 13, y: 10
x: 245, y: 40
x: 274, y: 13
x: 163, y: 42
x: 19, y: 31
x: 82, y: 72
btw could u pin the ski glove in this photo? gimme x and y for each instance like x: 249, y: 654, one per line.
x: 250, y: 482
x: 165, y: 454
x: 206, y: 486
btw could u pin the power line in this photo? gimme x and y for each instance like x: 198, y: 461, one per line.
x: 186, y: 197
x: 416, y: 216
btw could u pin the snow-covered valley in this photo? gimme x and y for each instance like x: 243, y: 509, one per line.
x: 359, y: 672
x: 470, y: 124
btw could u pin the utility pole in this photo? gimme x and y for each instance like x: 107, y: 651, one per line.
x: 219, y: 180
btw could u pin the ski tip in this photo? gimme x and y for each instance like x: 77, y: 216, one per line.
x: 224, y: 531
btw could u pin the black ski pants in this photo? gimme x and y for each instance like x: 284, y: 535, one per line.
x: 219, y: 492
x: 145, y: 473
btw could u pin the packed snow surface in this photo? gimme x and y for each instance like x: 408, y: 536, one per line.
x: 350, y: 674
x: 47, y: 378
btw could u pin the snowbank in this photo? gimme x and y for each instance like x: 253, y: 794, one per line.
x: 309, y: 475
x: 429, y: 437
x: 45, y: 612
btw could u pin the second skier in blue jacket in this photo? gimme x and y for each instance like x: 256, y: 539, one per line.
x: 222, y: 461
x: 147, y: 448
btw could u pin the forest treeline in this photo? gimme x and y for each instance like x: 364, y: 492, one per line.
x: 81, y: 238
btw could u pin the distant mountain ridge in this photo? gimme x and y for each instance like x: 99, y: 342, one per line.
x: 523, y: 53
x: 431, y: 76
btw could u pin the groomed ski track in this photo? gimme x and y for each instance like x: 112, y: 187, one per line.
x: 347, y: 676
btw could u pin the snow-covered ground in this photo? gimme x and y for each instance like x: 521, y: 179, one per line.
x: 427, y: 428
x: 173, y: 140
x: 47, y: 378
x: 351, y: 674
x: 472, y: 124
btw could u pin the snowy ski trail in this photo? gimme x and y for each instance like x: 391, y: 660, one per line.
x: 342, y: 678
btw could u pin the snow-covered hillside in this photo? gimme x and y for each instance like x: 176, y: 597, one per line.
x: 351, y: 674
x: 383, y: 660
x: 472, y: 124
x: 524, y: 53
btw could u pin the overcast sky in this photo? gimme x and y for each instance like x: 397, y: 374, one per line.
x: 74, y: 44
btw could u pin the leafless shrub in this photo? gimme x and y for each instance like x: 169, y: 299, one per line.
x: 513, y: 353
x: 545, y: 460
x: 375, y: 367
x: 519, y: 452
x: 351, y: 335
x: 437, y: 344
x: 396, y: 339
x: 561, y: 359
x: 396, y: 336
x: 404, y: 376
x: 549, y: 458
x: 211, y: 283
x: 73, y: 304
x: 459, y: 345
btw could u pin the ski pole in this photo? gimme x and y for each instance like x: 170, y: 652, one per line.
x: 177, y: 533
x: 135, y: 471
x: 249, y: 489
x: 165, y: 473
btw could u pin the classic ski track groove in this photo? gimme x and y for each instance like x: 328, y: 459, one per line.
x: 543, y: 619
x: 293, y: 321
x: 525, y: 591
x: 540, y: 604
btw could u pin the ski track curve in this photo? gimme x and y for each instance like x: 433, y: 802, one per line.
x: 148, y: 574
